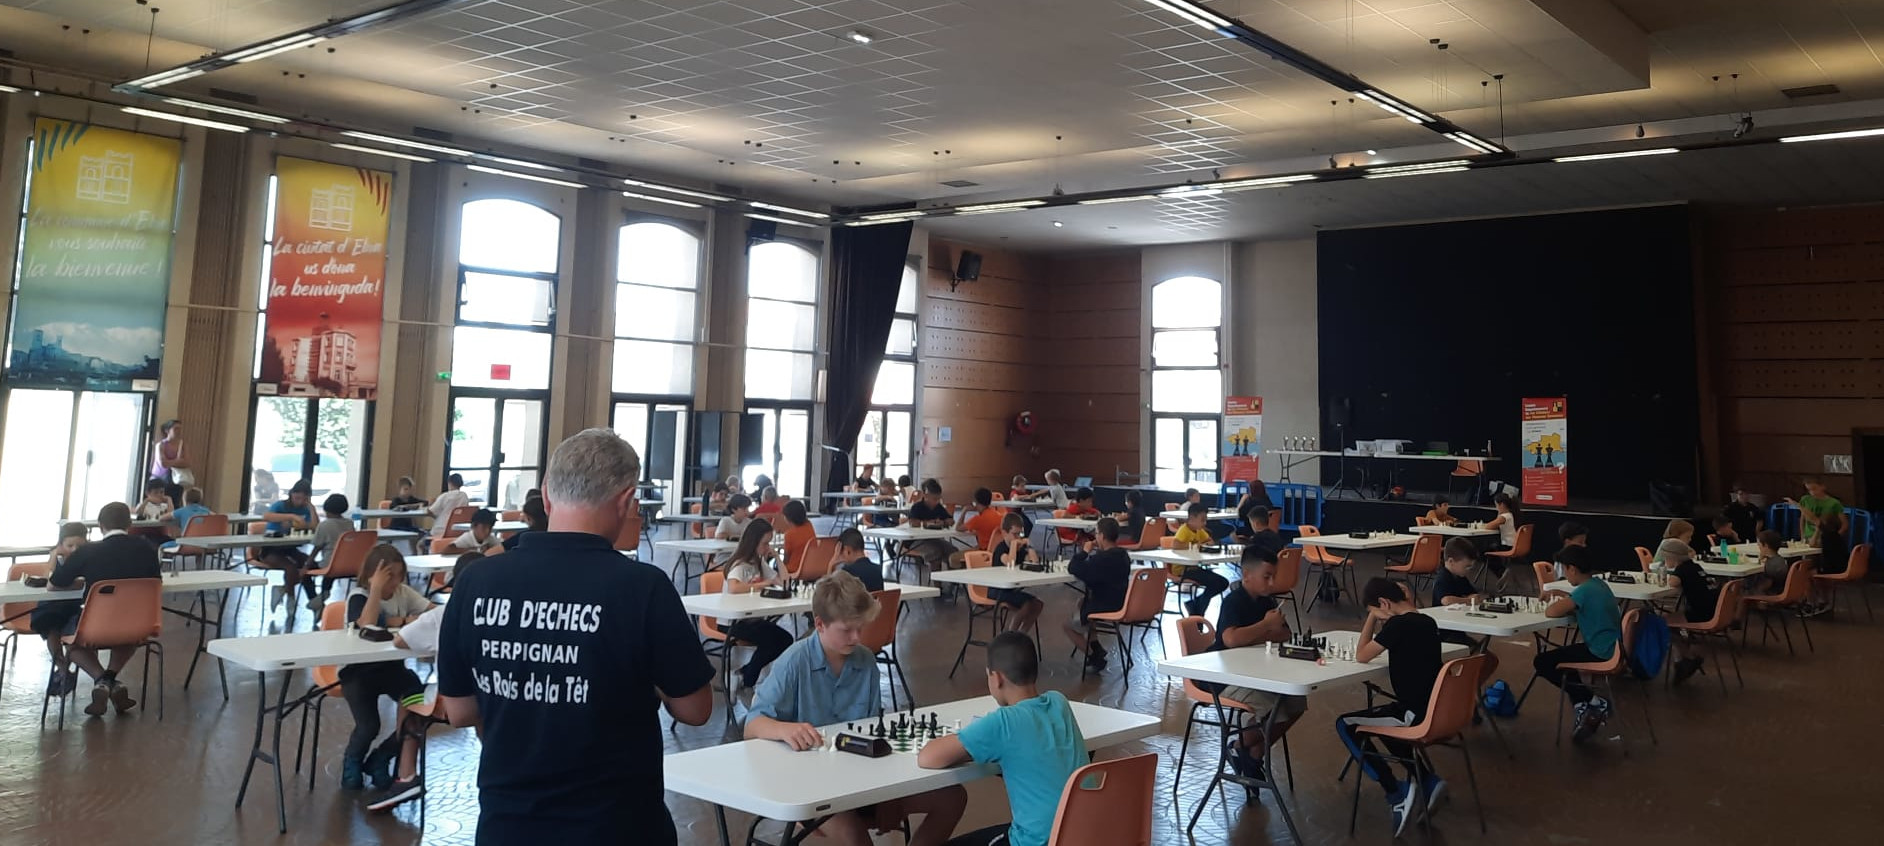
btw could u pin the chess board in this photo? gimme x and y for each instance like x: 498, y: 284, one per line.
x: 906, y: 732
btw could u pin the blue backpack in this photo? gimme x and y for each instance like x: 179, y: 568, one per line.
x: 1651, y: 647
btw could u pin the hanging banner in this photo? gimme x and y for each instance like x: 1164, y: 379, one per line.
x: 1242, y: 438
x: 326, y: 280
x: 94, y: 272
x: 1545, y: 440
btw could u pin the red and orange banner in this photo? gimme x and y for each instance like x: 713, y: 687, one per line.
x: 1242, y: 438
x: 326, y: 280
x: 1544, y: 440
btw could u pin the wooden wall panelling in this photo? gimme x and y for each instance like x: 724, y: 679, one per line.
x: 1803, y: 302
x: 1843, y: 339
x: 216, y: 272
x: 1813, y: 416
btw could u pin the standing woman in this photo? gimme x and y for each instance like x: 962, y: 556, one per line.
x: 168, y: 461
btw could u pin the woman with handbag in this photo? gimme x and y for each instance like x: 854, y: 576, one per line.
x: 169, y: 463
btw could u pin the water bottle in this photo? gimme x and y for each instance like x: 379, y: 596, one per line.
x: 1723, y: 548
x: 1658, y: 572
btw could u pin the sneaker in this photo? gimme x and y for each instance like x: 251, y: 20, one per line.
x: 1686, y: 668
x: 399, y: 793
x: 120, y: 697
x: 1401, y: 801
x: 352, y: 776
x: 1435, y: 791
x: 1096, y: 661
x: 56, y: 686
x: 379, y: 762
x: 1585, y: 725
x: 1603, y: 709
x: 1196, y: 608
x: 101, y: 693
x: 315, y: 603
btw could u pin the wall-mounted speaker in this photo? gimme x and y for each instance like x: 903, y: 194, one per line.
x: 968, y: 267
x: 761, y: 230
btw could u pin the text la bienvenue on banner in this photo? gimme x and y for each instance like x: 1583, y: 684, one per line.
x: 67, y: 264
x: 332, y: 266
x: 550, y: 687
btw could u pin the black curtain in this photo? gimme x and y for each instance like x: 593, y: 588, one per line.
x: 867, y: 269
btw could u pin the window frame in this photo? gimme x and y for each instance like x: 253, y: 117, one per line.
x: 1190, y: 470
x: 816, y: 251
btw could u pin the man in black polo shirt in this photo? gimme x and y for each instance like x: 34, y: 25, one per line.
x: 561, y: 650
x: 115, y: 556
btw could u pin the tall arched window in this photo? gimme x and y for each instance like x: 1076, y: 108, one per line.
x: 508, y: 253
x: 657, y: 281
x: 1186, y: 380
x: 886, y: 440
x: 781, y: 365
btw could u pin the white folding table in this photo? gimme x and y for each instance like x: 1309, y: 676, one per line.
x: 1002, y: 578
x: 891, y: 539
x: 1187, y: 557
x: 767, y: 779
x: 1454, y: 531
x: 501, y: 526
x: 1257, y: 668
x: 1637, y: 591
x: 696, y: 549
x: 286, y: 653
x: 1752, y: 550
x: 1347, y: 546
x: 1216, y: 515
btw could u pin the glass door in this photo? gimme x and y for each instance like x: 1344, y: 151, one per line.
x: 1184, y: 450
x: 323, y: 440
x: 884, y: 446
x: 784, y: 448
x: 497, y: 446
x: 65, y: 454
x: 658, y: 432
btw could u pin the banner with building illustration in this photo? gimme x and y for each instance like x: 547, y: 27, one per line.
x: 326, y: 280
x: 1545, y: 441
x: 94, y: 271
x: 1242, y: 438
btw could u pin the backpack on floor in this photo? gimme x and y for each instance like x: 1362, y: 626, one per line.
x: 1651, y: 647
x: 1498, y: 700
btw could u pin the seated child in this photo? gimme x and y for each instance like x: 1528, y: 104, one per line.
x: 193, y: 508
x: 1452, y: 585
x: 1013, y: 550
x: 852, y: 559
x: 830, y: 679
x: 747, y: 571
x: 1250, y: 616
x: 333, y: 526
x: 482, y: 536
x: 381, y: 597
x: 1773, y: 566
x: 405, y: 501
x: 1724, y: 531
x: 738, y: 513
x: 1600, y: 621
x: 983, y: 521
x: 1106, y: 571
x: 155, y: 505
x: 1441, y: 514
x: 55, y: 619
x: 1411, y: 641
x: 1194, y: 533
x: 799, y: 536
x: 1697, y: 603
x: 1081, y: 506
x: 1033, y: 736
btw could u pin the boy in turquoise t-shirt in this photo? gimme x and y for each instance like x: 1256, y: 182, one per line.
x: 1600, y: 620
x: 1033, y: 736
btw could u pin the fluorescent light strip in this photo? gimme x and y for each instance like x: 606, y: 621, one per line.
x: 1412, y: 172
x: 1106, y: 200
x: 1189, y: 191
x: 529, y: 176
x: 1394, y: 106
x: 700, y: 195
x: 787, y: 209
x: 1472, y: 141
x: 1833, y: 136
x: 988, y: 207
x: 1408, y: 168
x: 901, y: 215
x: 1194, y: 13
x: 224, y: 110
x: 876, y: 222
x: 1628, y: 154
x: 991, y: 211
x: 265, y: 50
x: 212, y: 124
x: 781, y: 220
x: 1263, y: 182
x: 8, y: 89
x: 387, y: 153
x: 412, y: 145
x: 521, y: 163
x: 169, y: 77
x: 654, y: 199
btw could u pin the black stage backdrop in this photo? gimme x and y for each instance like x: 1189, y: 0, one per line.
x: 1435, y: 332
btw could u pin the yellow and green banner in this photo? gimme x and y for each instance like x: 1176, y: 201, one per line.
x: 94, y: 269
x: 326, y: 279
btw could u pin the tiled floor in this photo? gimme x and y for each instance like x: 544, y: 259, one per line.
x: 1777, y: 762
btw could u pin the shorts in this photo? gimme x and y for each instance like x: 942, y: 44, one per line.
x: 1286, y: 708
x: 1011, y: 596
x: 391, y: 679
x: 1085, y: 612
x: 57, y: 617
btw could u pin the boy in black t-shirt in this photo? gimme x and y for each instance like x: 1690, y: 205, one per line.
x: 1013, y: 550
x: 1746, y: 517
x: 405, y: 501
x: 1250, y: 616
x: 1259, y: 532
x: 1452, y: 585
x: 851, y: 558
x: 1697, y: 602
x: 930, y: 513
x: 1106, y: 571
x: 1411, y: 641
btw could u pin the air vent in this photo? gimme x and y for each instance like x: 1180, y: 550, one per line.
x: 960, y: 183
x: 234, y: 96
x: 1809, y: 91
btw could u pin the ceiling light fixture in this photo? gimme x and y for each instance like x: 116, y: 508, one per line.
x: 858, y: 36
x: 1400, y: 168
x: 530, y: 176
x: 874, y: 222
x: 387, y: 153
x: 1627, y: 154
x: 698, y: 195
x: 1106, y: 200
x: 413, y: 145
x: 1421, y: 172
x: 212, y: 124
x: 8, y: 89
x: 898, y: 215
x: 773, y: 219
x: 520, y: 163
x: 224, y: 110
x: 1263, y: 182
x: 1011, y: 205
x: 274, y: 48
x: 1833, y: 136
x: 1371, y: 152
x: 1394, y: 106
x: 653, y: 199
x: 162, y: 78
x: 1195, y: 14
x: 1058, y: 225
x: 787, y: 209
x: 1182, y: 191
x: 1476, y: 143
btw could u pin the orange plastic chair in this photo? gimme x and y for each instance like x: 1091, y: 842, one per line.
x: 696, y: 529
x: 980, y: 605
x: 1466, y: 469
x: 1726, y: 611
x: 1850, y: 581
x: 440, y: 546
x: 1792, y: 595
x: 461, y: 514
x: 1144, y: 603
x: 1645, y: 558
x: 1287, y: 578
x: 200, y: 526
x: 1422, y: 521
x: 124, y: 614
x: 348, y: 553
x: 1196, y: 635
x: 1323, y: 561
x: 1605, y: 671
x: 1107, y: 802
x: 18, y: 617
x: 879, y: 636
x: 1423, y: 564
x: 1151, y: 537
x: 814, y: 562
x: 1545, y: 573
x: 385, y: 522
x: 512, y: 515
x: 1448, y: 713
x: 1520, y: 549
x: 1167, y: 542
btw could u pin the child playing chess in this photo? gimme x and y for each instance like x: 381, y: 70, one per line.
x: 747, y: 570
x: 1452, y: 585
x: 1106, y: 571
x: 1600, y: 620
x: 1033, y: 736
x: 831, y: 678
x: 1251, y: 616
x: 1194, y: 533
x: 1411, y: 641
x: 1697, y: 603
x: 381, y: 597
x: 1012, y: 550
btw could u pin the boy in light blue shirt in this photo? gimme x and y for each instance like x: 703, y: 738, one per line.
x: 193, y: 507
x: 1600, y: 620
x: 1033, y: 736
x: 830, y: 679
